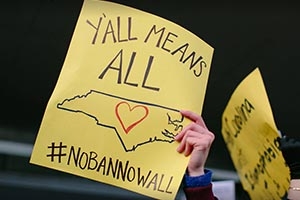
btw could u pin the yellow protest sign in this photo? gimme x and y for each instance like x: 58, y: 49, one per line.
x: 115, y: 108
x: 251, y: 136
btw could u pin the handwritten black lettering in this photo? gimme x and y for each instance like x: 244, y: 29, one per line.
x: 117, y: 169
x: 119, y: 69
x: 266, y: 157
x: 153, y: 30
x: 166, y: 42
x: 156, y: 182
x: 113, y: 30
x: 239, y: 119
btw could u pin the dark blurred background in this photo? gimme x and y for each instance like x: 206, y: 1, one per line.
x: 34, y: 40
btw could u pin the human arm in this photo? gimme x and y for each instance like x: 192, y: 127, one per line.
x: 195, y: 141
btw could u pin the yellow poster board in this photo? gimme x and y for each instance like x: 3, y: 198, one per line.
x: 251, y: 136
x: 114, y: 111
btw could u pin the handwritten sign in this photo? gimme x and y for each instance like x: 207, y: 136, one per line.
x: 114, y: 111
x: 251, y: 136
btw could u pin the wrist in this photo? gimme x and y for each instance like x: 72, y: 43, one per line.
x: 195, y: 171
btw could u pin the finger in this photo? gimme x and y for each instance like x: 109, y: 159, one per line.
x: 188, y: 148
x: 199, y: 139
x: 192, y: 126
x: 191, y: 143
x: 194, y: 117
x: 186, y: 141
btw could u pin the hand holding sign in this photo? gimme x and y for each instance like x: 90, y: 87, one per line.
x: 195, y: 140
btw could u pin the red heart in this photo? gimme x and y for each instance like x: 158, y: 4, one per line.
x: 130, y: 126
